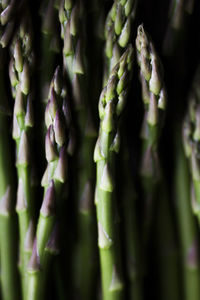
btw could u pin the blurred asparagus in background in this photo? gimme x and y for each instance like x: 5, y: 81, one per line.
x: 179, y: 13
x: 191, y: 137
x: 188, y: 232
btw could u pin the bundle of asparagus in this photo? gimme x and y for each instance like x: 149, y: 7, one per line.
x: 116, y: 219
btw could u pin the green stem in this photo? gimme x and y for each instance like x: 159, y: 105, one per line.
x: 112, y: 284
x: 111, y: 104
x: 85, y: 266
x: 39, y: 264
x: 33, y: 291
x: 44, y: 228
x: 8, y: 247
x: 85, y: 251
x: 24, y: 209
x: 132, y: 241
x: 37, y: 271
x: 168, y: 263
x: 187, y: 227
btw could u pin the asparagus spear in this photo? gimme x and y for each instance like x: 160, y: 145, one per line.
x: 49, y: 45
x: 7, y: 220
x: 72, y: 19
x: 134, y: 264
x: 20, y: 71
x: 49, y: 48
x: 37, y: 270
x: 8, y: 243
x: 118, y: 31
x: 167, y: 284
x: 111, y: 104
x: 56, y: 143
x: 191, y: 138
x: 187, y: 228
x: 154, y: 98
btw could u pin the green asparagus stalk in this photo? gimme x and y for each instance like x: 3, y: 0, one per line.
x: 72, y: 19
x: 49, y: 44
x: 111, y: 104
x: 187, y: 228
x: 20, y: 71
x: 49, y: 48
x: 134, y: 264
x: 56, y: 144
x: 7, y: 221
x: 84, y: 264
x: 36, y: 264
x: 118, y: 28
x: 191, y: 138
x: 8, y: 245
x: 52, y: 247
x: 38, y: 269
x: 154, y: 98
x: 167, y: 285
